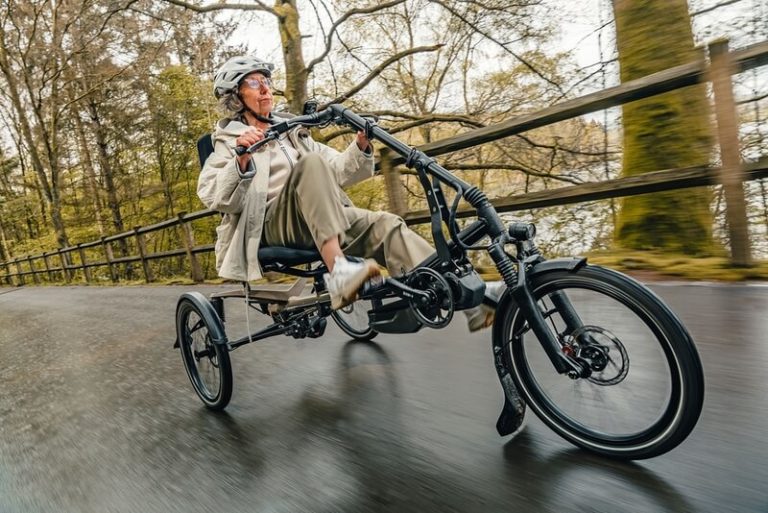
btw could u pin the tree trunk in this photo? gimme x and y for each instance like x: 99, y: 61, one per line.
x: 663, y: 132
x: 106, y: 167
x: 48, y: 187
x: 92, y: 188
x: 295, y: 69
x: 5, y: 251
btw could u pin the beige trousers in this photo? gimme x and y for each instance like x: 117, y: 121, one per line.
x: 310, y: 210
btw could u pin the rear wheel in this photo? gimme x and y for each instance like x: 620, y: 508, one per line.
x: 645, y: 390
x: 207, y: 363
x: 353, y: 320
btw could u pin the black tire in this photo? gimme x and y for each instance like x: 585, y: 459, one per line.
x: 637, y: 335
x: 353, y: 320
x: 207, y: 363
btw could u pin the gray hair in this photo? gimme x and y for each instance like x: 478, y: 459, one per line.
x: 231, y: 104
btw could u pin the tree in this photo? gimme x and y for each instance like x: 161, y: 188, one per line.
x: 662, y: 132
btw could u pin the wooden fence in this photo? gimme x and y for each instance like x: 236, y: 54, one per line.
x: 731, y: 175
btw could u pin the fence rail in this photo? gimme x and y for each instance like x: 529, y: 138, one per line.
x: 732, y: 174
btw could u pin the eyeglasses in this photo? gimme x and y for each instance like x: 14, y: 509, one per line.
x: 258, y: 83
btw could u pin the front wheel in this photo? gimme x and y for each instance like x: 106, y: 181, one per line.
x: 198, y: 327
x: 645, y: 388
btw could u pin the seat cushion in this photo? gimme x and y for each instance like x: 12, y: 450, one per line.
x: 287, y: 256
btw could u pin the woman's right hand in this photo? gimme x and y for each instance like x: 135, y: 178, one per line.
x: 251, y: 136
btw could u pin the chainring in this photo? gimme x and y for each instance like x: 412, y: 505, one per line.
x: 439, y: 312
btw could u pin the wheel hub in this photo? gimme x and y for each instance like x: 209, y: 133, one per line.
x: 602, y: 352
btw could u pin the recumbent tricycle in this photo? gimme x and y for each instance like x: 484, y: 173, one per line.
x: 561, y: 339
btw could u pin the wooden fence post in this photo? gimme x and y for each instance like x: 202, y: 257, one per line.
x: 18, y: 270
x: 141, y: 243
x: 109, y: 257
x: 47, y: 263
x: 35, y: 277
x: 397, y: 202
x: 64, y: 266
x: 84, y: 263
x: 189, y: 244
x: 721, y: 68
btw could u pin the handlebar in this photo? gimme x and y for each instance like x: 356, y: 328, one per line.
x: 318, y: 118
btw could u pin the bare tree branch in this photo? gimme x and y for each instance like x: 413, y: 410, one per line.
x: 510, y: 167
x: 416, y: 121
x: 502, y: 44
x: 93, y: 88
x: 753, y: 99
x: 256, y: 6
x: 377, y: 71
x: 535, y: 144
x: 714, y: 7
x: 344, y: 17
x: 437, y: 118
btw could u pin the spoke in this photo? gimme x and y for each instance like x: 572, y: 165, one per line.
x: 199, y: 324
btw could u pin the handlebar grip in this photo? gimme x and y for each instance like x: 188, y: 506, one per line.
x: 242, y: 150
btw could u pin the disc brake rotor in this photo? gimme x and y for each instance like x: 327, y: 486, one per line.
x: 603, y: 351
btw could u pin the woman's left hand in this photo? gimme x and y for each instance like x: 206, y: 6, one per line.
x: 363, y: 142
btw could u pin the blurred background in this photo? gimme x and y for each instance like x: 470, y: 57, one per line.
x: 102, y: 103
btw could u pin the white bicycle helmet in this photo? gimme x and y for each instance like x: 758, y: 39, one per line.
x: 228, y: 78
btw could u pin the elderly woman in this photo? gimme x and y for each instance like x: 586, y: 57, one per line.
x: 295, y: 198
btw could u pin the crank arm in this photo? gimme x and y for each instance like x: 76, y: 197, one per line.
x: 407, y: 292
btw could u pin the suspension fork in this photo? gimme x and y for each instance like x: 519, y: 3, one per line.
x: 516, y: 281
x: 565, y: 308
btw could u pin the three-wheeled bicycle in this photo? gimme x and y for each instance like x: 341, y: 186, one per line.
x: 562, y: 338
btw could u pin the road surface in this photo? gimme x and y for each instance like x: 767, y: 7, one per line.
x: 97, y: 415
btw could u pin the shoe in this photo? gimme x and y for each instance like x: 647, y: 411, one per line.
x: 346, y: 279
x: 482, y: 316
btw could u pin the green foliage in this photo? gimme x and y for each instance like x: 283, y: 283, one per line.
x: 650, y: 265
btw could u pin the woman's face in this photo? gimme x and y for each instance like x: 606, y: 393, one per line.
x: 256, y: 93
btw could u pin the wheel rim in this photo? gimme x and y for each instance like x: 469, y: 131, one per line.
x: 201, y: 356
x: 642, y: 406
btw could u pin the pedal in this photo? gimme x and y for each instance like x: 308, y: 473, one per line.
x: 373, y: 286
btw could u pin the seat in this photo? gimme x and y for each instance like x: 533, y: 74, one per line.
x: 204, y: 148
x: 270, y: 255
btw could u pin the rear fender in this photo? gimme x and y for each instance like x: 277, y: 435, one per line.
x: 210, y: 317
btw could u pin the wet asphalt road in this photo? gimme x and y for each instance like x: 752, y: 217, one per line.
x: 97, y: 415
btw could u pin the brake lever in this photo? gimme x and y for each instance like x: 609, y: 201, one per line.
x: 370, y: 122
x: 241, y: 150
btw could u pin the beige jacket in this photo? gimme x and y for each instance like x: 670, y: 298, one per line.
x: 244, y: 202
